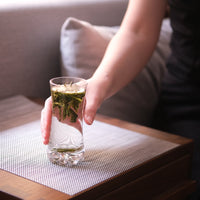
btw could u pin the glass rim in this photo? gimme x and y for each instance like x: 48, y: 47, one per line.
x: 79, y: 79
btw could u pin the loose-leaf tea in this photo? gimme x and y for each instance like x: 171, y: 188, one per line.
x: 63, y: 150
x: 66, y: 145
x: 67, y: 102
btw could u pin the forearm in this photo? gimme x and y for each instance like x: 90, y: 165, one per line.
x: 131, y: 48
x: 127, y: 53
x: 125, y: 57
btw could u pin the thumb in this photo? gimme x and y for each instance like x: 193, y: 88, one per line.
x: 90, y: 112
x: 94, y: 98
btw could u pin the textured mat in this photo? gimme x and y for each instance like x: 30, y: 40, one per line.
x: 109, y: 151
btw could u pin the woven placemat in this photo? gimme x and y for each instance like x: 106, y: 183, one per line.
x: 109, y: 151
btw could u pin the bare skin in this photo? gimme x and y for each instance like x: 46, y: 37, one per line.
x: 126, y: 55
x: 46, y: 116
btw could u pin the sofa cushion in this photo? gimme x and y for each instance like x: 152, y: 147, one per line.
x: 82, y: 47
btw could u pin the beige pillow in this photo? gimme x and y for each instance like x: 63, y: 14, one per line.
x: 82, y: 47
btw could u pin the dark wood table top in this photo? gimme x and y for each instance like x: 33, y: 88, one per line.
x: 16, y: 187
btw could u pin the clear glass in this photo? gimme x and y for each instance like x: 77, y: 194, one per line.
x: 66, y: 145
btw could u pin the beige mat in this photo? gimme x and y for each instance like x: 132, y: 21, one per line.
x: 109, y: 151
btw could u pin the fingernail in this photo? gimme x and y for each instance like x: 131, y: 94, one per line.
x: 45, y: 142
x: 89, y: 120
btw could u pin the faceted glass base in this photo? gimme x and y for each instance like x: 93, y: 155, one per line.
x: 65, y: 158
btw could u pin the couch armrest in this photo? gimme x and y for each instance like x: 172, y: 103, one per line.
x: 29, y: 40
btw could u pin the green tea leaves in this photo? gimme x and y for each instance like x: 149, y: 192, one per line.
x: 67, y: 103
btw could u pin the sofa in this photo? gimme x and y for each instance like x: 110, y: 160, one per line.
x: 42, y: 40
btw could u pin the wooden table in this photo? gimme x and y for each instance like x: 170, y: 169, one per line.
x: 166, y: 176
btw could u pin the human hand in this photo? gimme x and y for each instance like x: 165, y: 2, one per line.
x: 94, y: 98
x: 93, y: 101
x: 46, y: 115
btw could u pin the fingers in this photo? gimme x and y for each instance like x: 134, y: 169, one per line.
x: 43, y: 127
x: 94, y: 98
x: 67, y: 120
x: 90, y: 112
x: 46, y: 115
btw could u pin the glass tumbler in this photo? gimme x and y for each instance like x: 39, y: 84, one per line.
x: 66, y: 145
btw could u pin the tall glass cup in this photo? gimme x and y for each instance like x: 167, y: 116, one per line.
x: 66, y: 145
